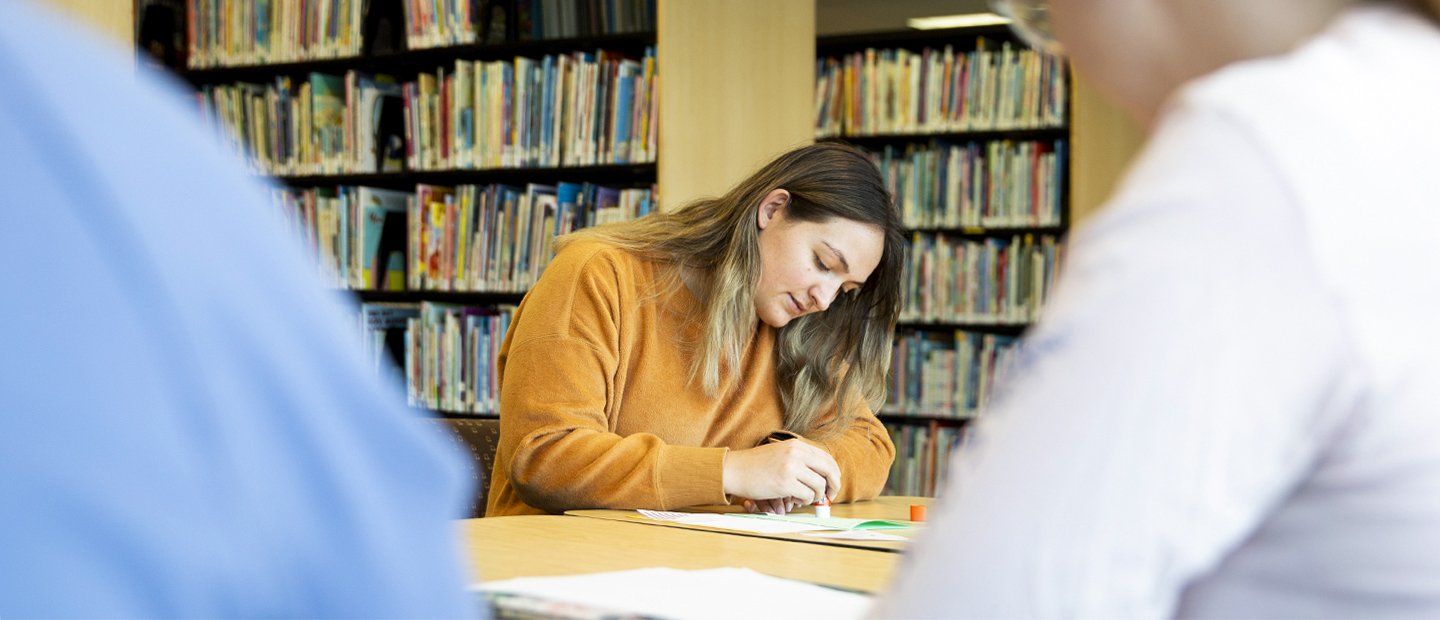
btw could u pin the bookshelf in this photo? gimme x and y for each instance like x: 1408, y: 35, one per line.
x: 620, y: 173
x: 971, y: 131
x: 708, y: 103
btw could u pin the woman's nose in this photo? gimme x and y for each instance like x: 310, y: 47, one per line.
x: 823, y: 295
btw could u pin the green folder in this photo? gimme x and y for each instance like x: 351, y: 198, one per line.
x: 837, y: 523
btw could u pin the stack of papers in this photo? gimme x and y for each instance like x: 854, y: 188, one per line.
x: 849, y: 529
x: 732, y: 522
x: 673, y: 593
x: 834, y: 523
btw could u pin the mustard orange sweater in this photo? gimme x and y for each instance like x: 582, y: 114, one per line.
x: 597, y: 409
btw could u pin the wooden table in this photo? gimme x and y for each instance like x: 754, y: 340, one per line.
x: 535, y: 546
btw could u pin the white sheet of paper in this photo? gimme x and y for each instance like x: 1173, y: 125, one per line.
x: 665, y: 515
x: 690, y: 594
x: 858, y: 535
x: 729, y: 522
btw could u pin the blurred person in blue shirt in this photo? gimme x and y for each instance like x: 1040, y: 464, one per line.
x: 187, y: 426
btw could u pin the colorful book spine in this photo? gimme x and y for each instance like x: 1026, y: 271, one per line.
x: 449, y: 356
x: 946, y: 375
x: 995, y: 184
x: 922, y: 457
x: 993, y: 281
x: 225, y: 33
x: 901, y: 91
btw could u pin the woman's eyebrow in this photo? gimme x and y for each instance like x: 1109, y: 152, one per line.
x: 843, y: 263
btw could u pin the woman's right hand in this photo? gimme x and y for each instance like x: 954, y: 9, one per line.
x: 784, y: 469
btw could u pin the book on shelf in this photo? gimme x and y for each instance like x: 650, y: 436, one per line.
x: 356, y: 233
x: 431, y: 23
x: 922, y: 458
x: 465, y: 238
x: 994, y: 280
x: 480, y: 238
x: 449, y: 356
x: 894, y: 90
x: 561, y: 110
x: 577, y: 109
x: 374, y: 113
x: 938, y: 374
x: 379, y: 263
x: 314, y: 215
x: 327, y: 115
x: 992, y: 184
x: 383, y: 327
x: 225, y: 33
x: 428, y: 209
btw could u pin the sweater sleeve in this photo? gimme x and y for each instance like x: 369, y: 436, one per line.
x: 864, y: 452
x: 556, y: 441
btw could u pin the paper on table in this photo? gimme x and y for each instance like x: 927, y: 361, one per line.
x: 835, y: 523
x: 731, y: 522
x: 667, y: 515
x: 687, y: 594
x: 858, y: 535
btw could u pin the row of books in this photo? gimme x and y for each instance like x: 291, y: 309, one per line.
x: 235, y: 32
x: 991, y: 184
x: 922, y: 458
x: 992, y: 281
x: 326, y: 124
x: 466, y: 238
x: 899, y: 91
x: 447, y: 352
x: 357, y: 233
x: 568, y: 110
x: 941, y: 374
x: 439, y: 23
x: 500, y: 238
x: 577, y: 109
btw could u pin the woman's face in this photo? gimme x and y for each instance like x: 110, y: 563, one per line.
x: 806, y: 265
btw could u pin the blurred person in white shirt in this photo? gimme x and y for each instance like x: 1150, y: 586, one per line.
x: 1231, y: 406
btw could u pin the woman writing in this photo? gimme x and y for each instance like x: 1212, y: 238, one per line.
x: 727, y: 351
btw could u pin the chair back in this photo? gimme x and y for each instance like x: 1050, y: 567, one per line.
x: 481, y: 437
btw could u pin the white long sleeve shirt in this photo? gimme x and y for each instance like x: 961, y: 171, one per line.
x: 1232, y: 406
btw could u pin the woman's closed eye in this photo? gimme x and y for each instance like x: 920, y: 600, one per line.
x: 820, y: 264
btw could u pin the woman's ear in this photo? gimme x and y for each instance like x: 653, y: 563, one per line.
x: 772, y: 206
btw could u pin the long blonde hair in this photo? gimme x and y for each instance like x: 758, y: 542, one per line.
x: 824, y: 360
